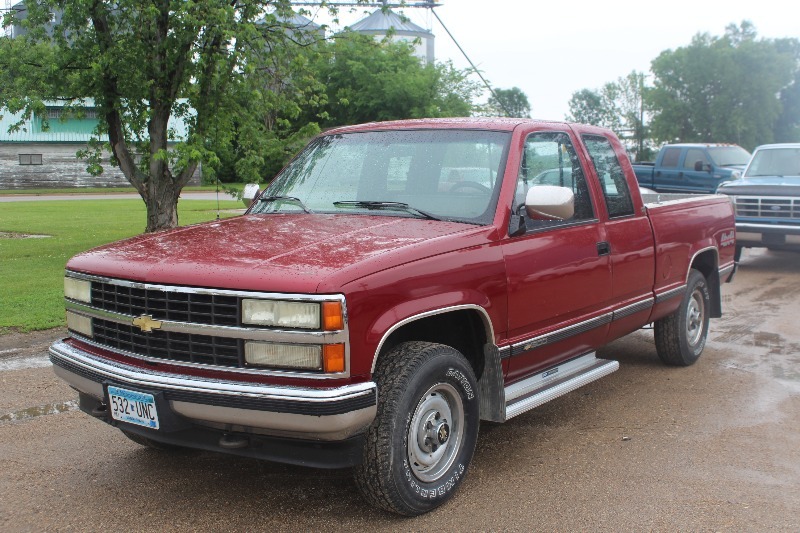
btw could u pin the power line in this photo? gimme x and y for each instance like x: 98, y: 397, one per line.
x: 502, y: 104
x: 426, y: 4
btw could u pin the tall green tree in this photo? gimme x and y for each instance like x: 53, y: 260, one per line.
x: 367, y: 80
x: 588, y: 106
x: 787, y: 128
x: 735, y: 88
x: 618, y: 106
x: 204, y: 62
x: 511, y: 102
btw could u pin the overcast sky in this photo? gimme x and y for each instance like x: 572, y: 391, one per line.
x: 550, y: 49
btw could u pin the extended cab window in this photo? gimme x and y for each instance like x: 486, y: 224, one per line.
x: 671, y: 157
x: 549, y: 159
x: 612, y: 178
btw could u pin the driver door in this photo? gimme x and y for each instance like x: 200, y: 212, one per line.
x: 558, y: 271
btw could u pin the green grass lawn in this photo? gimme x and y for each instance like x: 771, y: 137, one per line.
x: 107, y: 190
x: 32, y: 269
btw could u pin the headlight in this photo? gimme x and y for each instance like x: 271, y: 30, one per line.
x: 305, y: 356
x: 283, y: 314
x: 328, y: 316
x: 78, y: 289
x: 735, y: 175
x: 79, y: 323
x: 329, y: 358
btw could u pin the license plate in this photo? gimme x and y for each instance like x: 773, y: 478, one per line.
x: 133, y: 407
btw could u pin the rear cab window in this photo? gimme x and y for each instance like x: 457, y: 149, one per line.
x: 671, y: 157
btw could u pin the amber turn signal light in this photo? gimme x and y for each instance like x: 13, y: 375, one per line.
x: 332, y: 316
x: 333, y: 358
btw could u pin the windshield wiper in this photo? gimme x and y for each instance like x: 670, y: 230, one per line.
x: 297, y: 201
x: 396, y: 206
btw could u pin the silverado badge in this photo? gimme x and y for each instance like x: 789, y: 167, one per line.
x: 146, y: 323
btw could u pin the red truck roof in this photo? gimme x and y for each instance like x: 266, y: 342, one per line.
x: 496, y: 123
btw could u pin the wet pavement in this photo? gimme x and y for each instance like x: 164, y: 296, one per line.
x: 712, y: 447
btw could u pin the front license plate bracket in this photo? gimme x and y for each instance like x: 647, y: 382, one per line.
x: 132, y: 406
x: 168, y: 421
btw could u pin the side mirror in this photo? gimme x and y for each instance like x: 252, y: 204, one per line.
x: 249, y: 193
x: 549, y: 202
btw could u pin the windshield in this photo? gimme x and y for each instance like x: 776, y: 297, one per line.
x: 775, y: 162
x: 443, y: 174
x: 727, y: 156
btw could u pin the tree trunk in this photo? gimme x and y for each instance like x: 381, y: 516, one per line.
x: 161, y: 189
x: 161, y: 201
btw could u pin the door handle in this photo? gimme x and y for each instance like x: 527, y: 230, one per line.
x: 603, y: 248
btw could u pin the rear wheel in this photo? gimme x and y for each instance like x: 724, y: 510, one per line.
x: 681, y: 336
x: 421, y: 442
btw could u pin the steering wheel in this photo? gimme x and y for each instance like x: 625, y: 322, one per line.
x: 471, y: 185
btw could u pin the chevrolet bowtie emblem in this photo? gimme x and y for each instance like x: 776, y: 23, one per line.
x: 146, y: 323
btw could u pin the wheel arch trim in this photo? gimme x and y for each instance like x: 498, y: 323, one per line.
x: 713, y: 278
x: 700, y: 252
x: 484, y: 315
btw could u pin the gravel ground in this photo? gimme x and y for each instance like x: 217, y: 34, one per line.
x: 712, y: 447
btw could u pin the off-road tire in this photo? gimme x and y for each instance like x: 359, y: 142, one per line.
x: 681, y: 336
x: 418, y: 382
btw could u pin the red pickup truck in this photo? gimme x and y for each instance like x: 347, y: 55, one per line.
x: 394, y: 285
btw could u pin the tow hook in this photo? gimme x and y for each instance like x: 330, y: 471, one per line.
x: 233, y: 442
x: 100, y: 410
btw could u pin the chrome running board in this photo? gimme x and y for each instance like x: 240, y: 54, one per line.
x: 554, y: 382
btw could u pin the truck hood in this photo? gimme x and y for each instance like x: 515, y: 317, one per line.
x: 763, y: 186
x: 275, y: 252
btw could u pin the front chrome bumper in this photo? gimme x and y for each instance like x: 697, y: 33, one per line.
x: 326, y: 414
x: 755, y: 235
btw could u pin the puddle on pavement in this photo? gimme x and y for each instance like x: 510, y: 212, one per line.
x: 776, y: 344
x: 24, y: 363
x: 40, y: 410
x: 767, y: 354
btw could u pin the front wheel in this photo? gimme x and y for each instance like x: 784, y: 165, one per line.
x: 681, y: 336
x: 420, y: 444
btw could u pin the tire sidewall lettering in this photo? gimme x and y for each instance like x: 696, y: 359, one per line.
x: 443, y: 487
x: 432, y: 491
x: 461, y: 380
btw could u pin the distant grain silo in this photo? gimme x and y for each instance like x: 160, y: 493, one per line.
x: 385, y: 22
x: 301, y: 29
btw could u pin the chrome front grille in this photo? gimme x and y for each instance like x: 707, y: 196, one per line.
x: 189, y: 307
x: 190, y: 325
x: 214, y: 309
x: 169, y: 345
x: 774, y: 207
